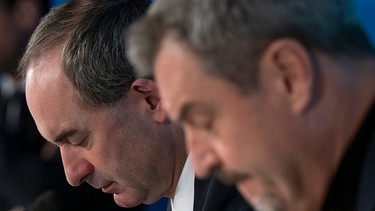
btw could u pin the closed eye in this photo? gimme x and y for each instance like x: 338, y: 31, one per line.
x: 81, y: 142
x: 199, y: 116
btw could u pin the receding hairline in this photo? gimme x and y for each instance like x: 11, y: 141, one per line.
x: 43, y: 55
x: 53, y: 53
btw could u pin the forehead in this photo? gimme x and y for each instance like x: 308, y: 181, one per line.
x: 177, y: 72
x: 184, y: 83
x: 44, y: 71
x: 183, y: 80
x: 49, y: 94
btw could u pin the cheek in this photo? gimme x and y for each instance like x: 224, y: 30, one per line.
x: 233, y: 140
x: 240, y: 147
x: 105, y: 151
x: 246, y: 136
x: 115, y: 154
x: 236, y: 158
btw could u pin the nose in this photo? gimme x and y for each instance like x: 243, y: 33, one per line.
x: 202, y: 152
x: 76, y: 167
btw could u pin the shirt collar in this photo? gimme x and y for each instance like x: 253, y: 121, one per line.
x: 184, y: 195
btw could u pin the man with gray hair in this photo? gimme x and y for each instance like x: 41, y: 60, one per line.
x: 276, y: 97
x: 109, y: 125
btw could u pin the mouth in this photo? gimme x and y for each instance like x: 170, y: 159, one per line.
x: 230, y: 178
x: 108, y: 188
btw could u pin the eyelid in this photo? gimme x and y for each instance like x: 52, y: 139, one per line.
x: 197, y: 115
x: 64, y: 135
x: 200, y: 119
x: 81, y: 141
x: 52, y: 142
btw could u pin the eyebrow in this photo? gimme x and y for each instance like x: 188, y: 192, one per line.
x: 64, y: 135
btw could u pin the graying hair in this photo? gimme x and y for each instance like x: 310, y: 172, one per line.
x: 93, y: 55
x: 229, y: 36
x: 94, y: 59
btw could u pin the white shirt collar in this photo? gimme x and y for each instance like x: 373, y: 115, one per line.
x: 183, y: 199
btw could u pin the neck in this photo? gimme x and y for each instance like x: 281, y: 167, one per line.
x: 180, y: 157
x: 347, y: 96
x: 351, y: 97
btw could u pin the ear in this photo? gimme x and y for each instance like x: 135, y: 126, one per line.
x: 150, y: 93
x: 289, y: 70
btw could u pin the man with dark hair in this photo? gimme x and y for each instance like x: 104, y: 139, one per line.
x: 109, y: 125
x: 31, y: 171
x: 276, y: 97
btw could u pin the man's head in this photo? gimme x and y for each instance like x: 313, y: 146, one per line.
x: 247, y: 79
x: 84, y: 97
x: 18, y: 19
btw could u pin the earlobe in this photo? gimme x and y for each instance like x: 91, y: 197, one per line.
x: 151, y: 97
x: 291, y: 69
x: 161, y: 116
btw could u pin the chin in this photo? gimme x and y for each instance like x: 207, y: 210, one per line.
x: 247, y: 189
x: 260, y: 198
x: 269, y: 204
x: 126, y: 201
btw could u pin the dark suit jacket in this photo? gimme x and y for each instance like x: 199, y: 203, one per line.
x: 353, y: 187
x: 211, y: 195
x: 366, y: 195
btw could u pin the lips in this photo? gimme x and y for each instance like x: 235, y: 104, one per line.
x: 230, y: 178
x: 108, y: 188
